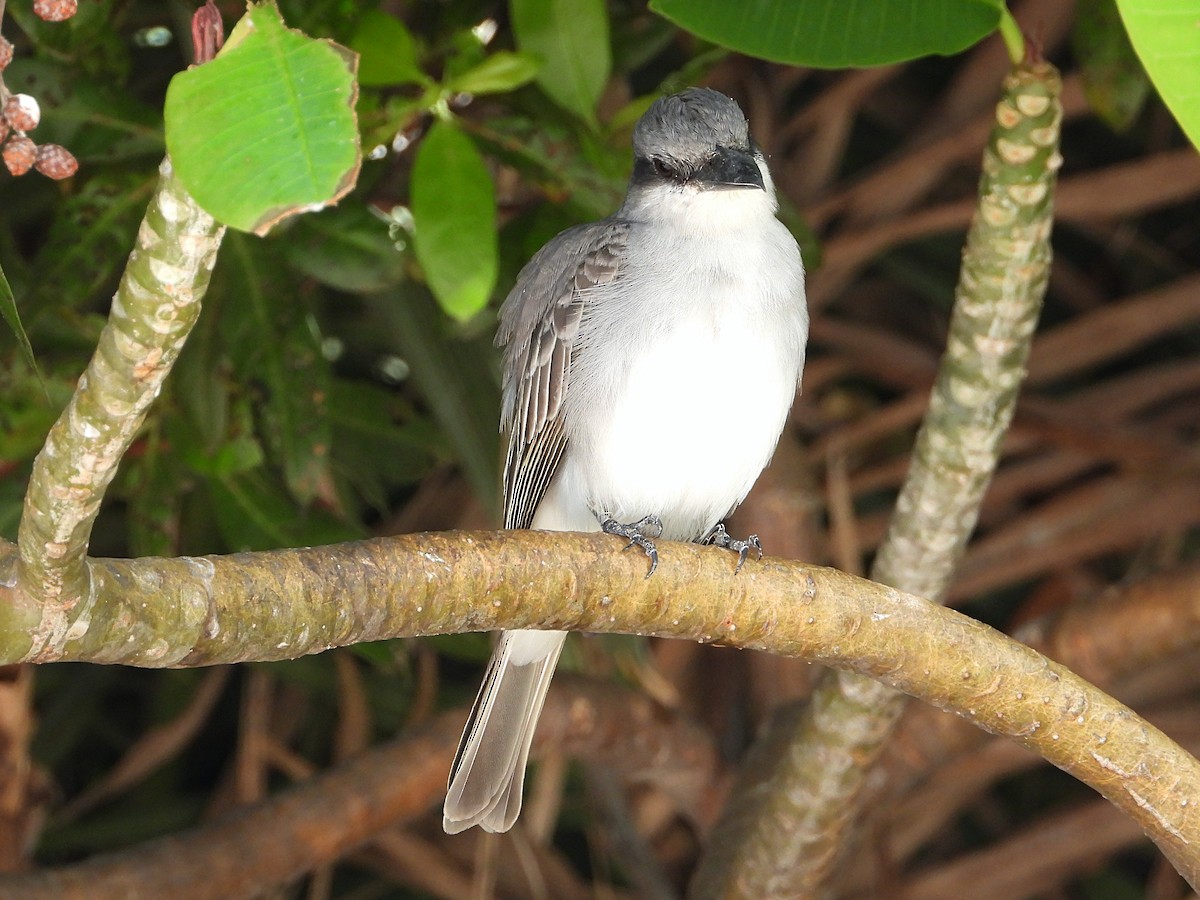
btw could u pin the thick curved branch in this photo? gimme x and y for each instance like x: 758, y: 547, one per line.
x: 199, y: 611
x: 153, y: 312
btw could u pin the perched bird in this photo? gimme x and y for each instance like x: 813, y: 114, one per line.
x: 650, y: 360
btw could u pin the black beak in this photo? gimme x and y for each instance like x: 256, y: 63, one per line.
x: 729, y: 169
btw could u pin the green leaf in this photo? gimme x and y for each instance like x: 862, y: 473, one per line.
x: 235, y: 450
x: 8, y: 309
x: 570, y: 37
x: 242, y: 453
x: 1113, y: 79
x: 455, y: 375
x: 1167, y: 39
x: 387, y: 51
x: 254, y: 512
x: 370, y: 449
x: 267, y: 129
x: 274, y: 344
x: 836, y: 33
x: 454, y: 220
x: 502, y: 71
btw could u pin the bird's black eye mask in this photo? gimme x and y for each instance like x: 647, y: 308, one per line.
x: 665, y: 168
x: 723, y: 167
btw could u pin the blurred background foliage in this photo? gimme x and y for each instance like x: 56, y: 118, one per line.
x: 341, y: 381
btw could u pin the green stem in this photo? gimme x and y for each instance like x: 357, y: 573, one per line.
x: 1014, y: 40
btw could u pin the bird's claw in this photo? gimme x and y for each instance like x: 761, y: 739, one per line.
x: 719, y: 537
x: 642, y: 532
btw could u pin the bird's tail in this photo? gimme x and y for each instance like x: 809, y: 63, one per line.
x: 488, y: 774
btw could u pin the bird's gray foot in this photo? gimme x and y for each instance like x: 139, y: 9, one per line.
x: 719, y: 537
x: 642, y: 532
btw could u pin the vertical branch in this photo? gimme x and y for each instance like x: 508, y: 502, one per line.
x: 152, y: 314
x: 782, y: 835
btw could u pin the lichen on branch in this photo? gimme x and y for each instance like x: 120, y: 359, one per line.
x: 152, y: 313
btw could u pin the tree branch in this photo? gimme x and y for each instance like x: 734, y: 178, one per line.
x: 153, y: 311
x: 285, y: 603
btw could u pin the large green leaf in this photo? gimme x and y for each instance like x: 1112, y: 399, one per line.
x: 837, y: 33
x: 1166, y: 35
x: 570, y: 37
x: 267, y: 129
x: 454, y: 220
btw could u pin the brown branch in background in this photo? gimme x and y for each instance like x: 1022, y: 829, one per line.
x: 909, y: 819
x: 1101, y: 516
x: 1027, y: 864
x: 1123, y: 189
x: 936, y: 764
x: 1127, y: 627
x: 24, y: 791
x: 244, y: 853
x: 153, y: 749
x: 827, y: 123
x: 1116, y: 329
x: 252, y: 849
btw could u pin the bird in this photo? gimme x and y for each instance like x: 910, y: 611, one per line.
x: 650, y: 361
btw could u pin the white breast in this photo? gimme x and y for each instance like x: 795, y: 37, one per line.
x: 686, y: 373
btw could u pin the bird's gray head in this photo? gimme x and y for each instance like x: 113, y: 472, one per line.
x: 698, y: 137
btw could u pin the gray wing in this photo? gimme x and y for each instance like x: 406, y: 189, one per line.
x: 539, y: 328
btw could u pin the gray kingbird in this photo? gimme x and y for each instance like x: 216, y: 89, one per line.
x: 650, y: 360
